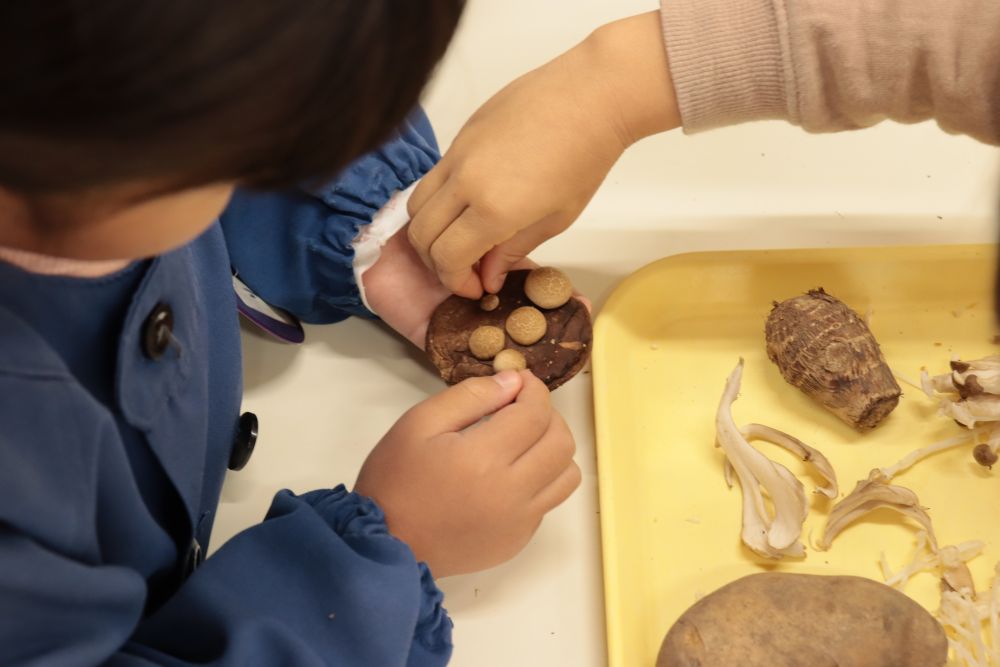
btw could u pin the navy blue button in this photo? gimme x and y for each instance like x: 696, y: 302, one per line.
x: 246, y: 438
x: 157, y: 331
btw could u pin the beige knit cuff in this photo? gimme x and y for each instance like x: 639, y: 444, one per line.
x: 729, y: 61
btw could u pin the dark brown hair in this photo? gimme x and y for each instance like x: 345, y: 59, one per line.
x: 188, y: 92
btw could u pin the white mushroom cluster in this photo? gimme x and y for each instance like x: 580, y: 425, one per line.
x: 970, y: 394
x: 776, y: 532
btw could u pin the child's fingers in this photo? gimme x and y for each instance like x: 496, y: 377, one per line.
x: 428, y: 186
x: 499, y: 260
x: 559, y: 490
x: 540, y: 465
x: 432, y: 219
x: 458, y: 249
x: 516, y: 428
x: 465, y: 403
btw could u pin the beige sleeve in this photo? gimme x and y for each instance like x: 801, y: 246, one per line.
x: 831, y: 65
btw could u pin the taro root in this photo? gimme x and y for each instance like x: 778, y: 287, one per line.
x: 776, y: 619
x: 822, y: 347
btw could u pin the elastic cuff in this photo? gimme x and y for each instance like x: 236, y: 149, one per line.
x: 729, y: 61
x: 433, y: 631
x: 347, y: 513
x: 372, y: 238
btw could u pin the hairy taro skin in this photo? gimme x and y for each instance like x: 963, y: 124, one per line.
x: 822, y: 347
x: 777, y: 619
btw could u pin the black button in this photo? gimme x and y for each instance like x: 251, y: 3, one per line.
x: 157, y: 331
x: 246, y: 438
x: 194, y: 557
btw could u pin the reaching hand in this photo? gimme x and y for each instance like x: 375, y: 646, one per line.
x: 467, y: 494
x: 528, y: 161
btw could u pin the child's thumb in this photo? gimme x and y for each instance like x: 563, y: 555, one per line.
x: 469, y: 401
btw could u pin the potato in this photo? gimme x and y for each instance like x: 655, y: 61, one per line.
x: 780, y: 620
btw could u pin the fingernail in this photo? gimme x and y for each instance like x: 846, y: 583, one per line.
x: 507, y: 379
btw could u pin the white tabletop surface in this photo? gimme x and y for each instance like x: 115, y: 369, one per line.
x: 324, y: 404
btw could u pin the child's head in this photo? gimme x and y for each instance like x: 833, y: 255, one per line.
x: 124, y: 125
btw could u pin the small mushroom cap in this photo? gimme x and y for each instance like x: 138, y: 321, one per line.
x: 526, y: 325
x: 490, y: 302
x: 485, y: 342
x: 984, y: 455
x: 509, y: 360
x: 548, y: 287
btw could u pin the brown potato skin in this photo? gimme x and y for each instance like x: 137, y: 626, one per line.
x: 822, y: 347
x: 776, y: 619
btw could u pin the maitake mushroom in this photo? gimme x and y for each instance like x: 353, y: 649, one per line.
x: 771, y: 534
x: 869, y: 495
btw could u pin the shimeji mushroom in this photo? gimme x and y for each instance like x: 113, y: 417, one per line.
x: 970, y: 394
x: 771, y: 534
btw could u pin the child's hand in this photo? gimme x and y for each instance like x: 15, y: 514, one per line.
x: 529, y: 160
x: 402, y: 291
x: 468, y: 496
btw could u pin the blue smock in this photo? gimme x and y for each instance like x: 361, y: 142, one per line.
x: 112, y: 460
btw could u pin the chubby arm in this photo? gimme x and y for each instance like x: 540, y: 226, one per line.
x: 528, y: 161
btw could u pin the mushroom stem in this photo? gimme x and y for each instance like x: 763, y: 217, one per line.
x: 919, y: 454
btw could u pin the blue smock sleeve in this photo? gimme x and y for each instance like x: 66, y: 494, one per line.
x: 319, y: 583
x: 293, y: 248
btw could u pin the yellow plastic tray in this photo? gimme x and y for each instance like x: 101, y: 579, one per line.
x: 664, y: 344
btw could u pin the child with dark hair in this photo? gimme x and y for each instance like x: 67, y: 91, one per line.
x: 124, y: 129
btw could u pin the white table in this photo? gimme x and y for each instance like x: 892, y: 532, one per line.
x: 323, y: 405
